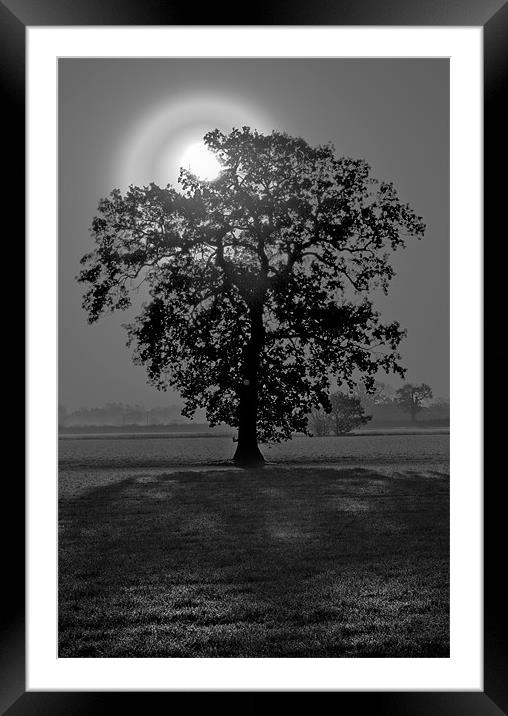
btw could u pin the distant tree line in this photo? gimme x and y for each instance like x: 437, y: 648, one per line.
x: 119, y: 414
x: 383, y: 404
x: 348, y: 411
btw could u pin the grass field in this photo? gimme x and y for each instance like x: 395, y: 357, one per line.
x: 117, y: 453
x: 299, y: 562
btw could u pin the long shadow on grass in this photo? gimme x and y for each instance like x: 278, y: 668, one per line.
x: 274, y: 562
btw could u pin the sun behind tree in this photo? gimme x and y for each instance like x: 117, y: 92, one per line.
x: 200, y: 161
x: 258, y: 281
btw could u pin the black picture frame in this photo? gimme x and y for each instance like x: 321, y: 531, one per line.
x: 15, y: 16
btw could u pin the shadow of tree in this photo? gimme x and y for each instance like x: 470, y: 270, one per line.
x: 269, y: 562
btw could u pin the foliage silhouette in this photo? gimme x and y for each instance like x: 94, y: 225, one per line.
x: 258, y: 280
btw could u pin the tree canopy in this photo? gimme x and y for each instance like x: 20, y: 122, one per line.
x: 259, y: 281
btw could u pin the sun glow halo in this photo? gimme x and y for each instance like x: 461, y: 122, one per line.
x: 201, y: 162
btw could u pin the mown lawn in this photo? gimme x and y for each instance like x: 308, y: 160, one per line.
x: 299, y: 562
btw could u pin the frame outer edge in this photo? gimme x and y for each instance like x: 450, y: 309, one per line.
x: 495, y: 542
x: 12, y: 615
x: 12, y: 671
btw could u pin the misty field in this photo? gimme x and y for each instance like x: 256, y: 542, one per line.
x: 430, y: 448
x: 318, y: 561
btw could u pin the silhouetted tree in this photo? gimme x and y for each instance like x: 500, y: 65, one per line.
x: 254, y: 280
x: 412, y: 398
x: 347, y: 413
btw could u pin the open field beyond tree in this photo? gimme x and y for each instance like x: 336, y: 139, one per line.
x: 279, y: 561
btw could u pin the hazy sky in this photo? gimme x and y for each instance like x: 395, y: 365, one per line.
x: 127, y: 122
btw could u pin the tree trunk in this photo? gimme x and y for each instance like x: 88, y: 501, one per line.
x: 247, y: 452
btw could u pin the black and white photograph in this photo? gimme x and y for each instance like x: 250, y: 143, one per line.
x: 253, y: 357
